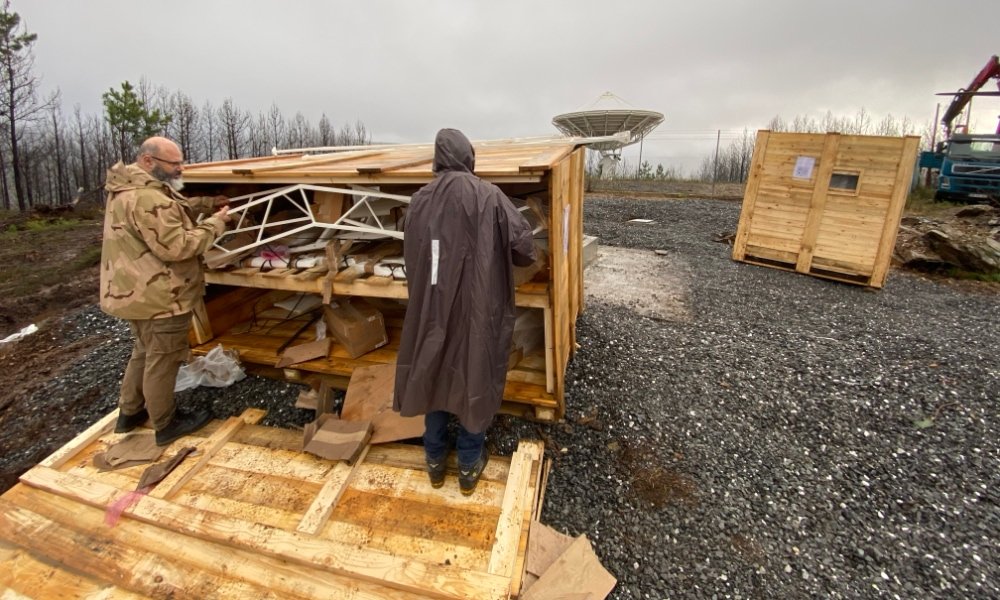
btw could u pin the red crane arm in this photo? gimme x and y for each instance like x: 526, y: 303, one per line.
x: 964, y: 96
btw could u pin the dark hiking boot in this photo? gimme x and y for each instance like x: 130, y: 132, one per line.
x: 127, y: 423
x: 435, y: 470
x: 468, y: 477
x: 182, y: 424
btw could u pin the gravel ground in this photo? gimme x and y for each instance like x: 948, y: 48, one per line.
x: 783, y: 437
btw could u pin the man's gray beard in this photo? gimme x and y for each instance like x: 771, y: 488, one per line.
x: 176, y: 183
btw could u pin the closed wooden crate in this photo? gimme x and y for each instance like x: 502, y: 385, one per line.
x: 826, y: 205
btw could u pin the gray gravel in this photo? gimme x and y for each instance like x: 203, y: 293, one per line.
x: 792, y: 438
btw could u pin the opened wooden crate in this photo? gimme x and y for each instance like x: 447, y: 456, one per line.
x: 248, y: 515
x: 547, y: 174
x: 826, y: 205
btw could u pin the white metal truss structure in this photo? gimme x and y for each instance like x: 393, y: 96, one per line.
x: 362, y: 220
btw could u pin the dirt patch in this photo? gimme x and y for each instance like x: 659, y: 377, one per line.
x: 654, y: 482
x: 641, y: 280
x: 50, y: 267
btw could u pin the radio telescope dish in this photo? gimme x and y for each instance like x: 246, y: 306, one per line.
x: 608, y: 115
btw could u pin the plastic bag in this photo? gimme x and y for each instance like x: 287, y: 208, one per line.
x: 218, y: 368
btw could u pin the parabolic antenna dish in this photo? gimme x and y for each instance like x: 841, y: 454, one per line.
x: 608, y: 115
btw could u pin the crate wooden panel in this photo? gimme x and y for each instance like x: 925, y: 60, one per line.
x: 804, y: 224
x: 249, y: 515
x: 550, y: 170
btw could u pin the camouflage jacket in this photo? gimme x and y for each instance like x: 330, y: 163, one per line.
x: 151, y: 253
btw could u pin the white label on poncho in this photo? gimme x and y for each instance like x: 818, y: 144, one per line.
x: 435, y: 255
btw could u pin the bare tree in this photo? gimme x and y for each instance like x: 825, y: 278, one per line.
x: 19, y: 103
x: 209, y: 131
x: 327, y: 135
x: 185, y: 124
x: 233, y: 123
x: 276, y: 129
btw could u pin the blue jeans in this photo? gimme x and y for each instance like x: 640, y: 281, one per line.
x: 469, y: 445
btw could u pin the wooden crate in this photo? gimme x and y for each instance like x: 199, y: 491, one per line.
x: 826, y: 205
x: 251, y: 516
x: 549, y: 170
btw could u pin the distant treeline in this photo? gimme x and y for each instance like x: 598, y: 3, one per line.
x: 50, y: 158
x: 732, y: 165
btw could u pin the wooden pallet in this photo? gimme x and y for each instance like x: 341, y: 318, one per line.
x: 251, y: 516
x: 826, y: 205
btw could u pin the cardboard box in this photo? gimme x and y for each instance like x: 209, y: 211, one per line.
x: 358, y: 326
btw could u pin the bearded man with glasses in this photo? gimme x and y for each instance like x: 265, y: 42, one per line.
x: 151, y: 276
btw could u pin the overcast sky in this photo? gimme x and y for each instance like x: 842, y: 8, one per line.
x: 505, y: 68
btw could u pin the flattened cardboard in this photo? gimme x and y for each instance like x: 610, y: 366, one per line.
x: 358, y: 326
x: 576, y: 574
x: 369, y: 397
x: 304, y: 352
x: 336, y: 439
x: 545, y: 546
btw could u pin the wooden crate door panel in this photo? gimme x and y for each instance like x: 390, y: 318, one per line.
x: 559, y: 244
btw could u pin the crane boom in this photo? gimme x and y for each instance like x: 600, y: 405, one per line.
x: 964, y: 96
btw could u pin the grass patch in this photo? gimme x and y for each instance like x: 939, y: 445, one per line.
x: 89, y: 257
x: 921, y: 202
x: 972, y: 276
x: 49, y: 224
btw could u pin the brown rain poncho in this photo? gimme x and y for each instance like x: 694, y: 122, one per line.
x: 462, y: 234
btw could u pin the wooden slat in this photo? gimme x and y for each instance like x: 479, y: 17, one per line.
x: 330, y: 494
x: 817, y: 203
x: 173, y: 482
x: 894, y: 211
x: 512, y: 512
x: 398, y: 573
x: 750, y: 195
x: 86, y: 438
x: 394, y: 166
x: 303, y: 162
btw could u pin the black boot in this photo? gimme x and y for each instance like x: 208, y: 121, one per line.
x: 436, y: 470
x: 182, y: 424
x: 468, y: 477
x: 127, y: 423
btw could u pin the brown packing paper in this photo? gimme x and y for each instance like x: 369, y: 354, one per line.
x: 335, y: 439
x: 369, y: 398
x: 577, y: 574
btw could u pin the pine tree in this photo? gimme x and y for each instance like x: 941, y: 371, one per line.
x: 130, y: 119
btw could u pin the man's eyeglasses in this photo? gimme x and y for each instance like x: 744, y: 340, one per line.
x: 172, y: 163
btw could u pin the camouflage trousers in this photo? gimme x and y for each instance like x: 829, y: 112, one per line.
x: 161, y: 345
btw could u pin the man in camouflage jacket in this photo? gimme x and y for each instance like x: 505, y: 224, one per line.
x: 151, y: 276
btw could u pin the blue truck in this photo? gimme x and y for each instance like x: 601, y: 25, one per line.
x: 967, y: 165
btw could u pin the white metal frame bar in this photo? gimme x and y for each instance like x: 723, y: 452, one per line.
x: 296, y: 196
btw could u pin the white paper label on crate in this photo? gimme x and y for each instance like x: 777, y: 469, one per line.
x: 435, y: 255
x: 804, y: 167
x: 566, y: 228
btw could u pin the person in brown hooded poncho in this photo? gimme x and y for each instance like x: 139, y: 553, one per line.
x: 462, y: 238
